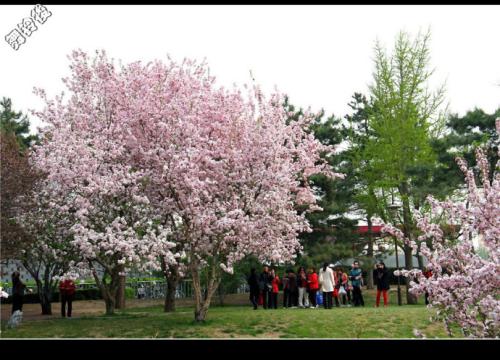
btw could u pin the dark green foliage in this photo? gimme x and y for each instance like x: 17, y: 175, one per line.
x: 16, y: 123
x: 333, y: 237
x: 476, y: 128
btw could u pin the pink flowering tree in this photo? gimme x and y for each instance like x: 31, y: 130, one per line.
x: 41, y: 214
x: 171, y: 171
x: 225, y: 169
x: 463, y: 255
x: 86, y: 154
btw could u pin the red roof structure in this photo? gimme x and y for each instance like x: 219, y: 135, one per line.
x: 376, y: 229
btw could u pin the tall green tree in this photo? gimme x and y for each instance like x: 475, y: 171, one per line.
x: 404, y: 114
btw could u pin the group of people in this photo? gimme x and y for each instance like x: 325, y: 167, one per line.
x: 300, y: 289
x: 67, y: 290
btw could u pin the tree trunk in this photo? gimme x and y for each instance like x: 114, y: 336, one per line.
x: 108, y: 290
x: 110, y: 305
x: 202, y: 301
x: 120, y: 293
x: 407, y: 228
x: 369, y: 282
x: 420, y: 259
x: 45, y: 295
x: 172, y: 282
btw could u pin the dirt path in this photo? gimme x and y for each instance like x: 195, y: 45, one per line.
x: 83, y: 307
x: 96, y: 307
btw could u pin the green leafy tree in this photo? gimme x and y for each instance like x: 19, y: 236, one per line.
x: 404, y: 114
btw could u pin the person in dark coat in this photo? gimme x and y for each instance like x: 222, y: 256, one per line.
x: 286, y: 292
x: 293, y: 290
x: 381, y: 277
x: 253, y: 282
x: 18, y: 288
x: 265, y: 286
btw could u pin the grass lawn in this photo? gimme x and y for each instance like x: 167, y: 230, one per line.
x: 240, y: 322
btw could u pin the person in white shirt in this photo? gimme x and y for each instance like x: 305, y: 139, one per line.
x: 327, y: 282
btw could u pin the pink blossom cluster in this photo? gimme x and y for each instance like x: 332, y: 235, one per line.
x: 465, y: 281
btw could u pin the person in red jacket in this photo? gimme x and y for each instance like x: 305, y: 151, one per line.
x: 275, y: 281
x: 67, y: 289
x: 312, y: 280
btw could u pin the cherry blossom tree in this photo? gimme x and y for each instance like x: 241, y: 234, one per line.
x: 465, y: 285
x: 169, y: 169
x: 226, y: 170
x: 85, y: 154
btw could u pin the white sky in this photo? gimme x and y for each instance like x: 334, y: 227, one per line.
x: 319, y: 55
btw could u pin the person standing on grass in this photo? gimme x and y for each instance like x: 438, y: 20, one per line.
x: 18, y: 288
x: 286, y: 291
x: 67, y: 289
x: 381, y: 277
x: 327, y: 282
x: 341, y: 282
x: 347, y: 287
x: 293, y: 295
x: 312, y: 280
x: 253, y: 282
x: 265, y: 286
x: 356, y: 278
x: 427, y: 274
x: 302, y: 284
x: 275, y: 281
x: 338, y: 284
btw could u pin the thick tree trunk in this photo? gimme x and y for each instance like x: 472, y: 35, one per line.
x: 109, y: 290
x: 110, y: 305
x: 369, y: 279
x: 172, y: 278
x: 120, y: 293
x: 407, y: 230
x: 201, y: 311
x: 172, y: 282
x: 45, y: 295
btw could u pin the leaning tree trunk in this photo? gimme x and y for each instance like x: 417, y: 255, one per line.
x: 203, y: 298
x: 407, y: 226
x: 369, y: 279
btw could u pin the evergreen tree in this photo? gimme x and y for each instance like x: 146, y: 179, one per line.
x: 16, y: 123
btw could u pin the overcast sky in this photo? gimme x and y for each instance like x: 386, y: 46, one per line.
x: 318, y: 55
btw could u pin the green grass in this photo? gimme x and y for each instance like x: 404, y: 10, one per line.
x: 239, y: 322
